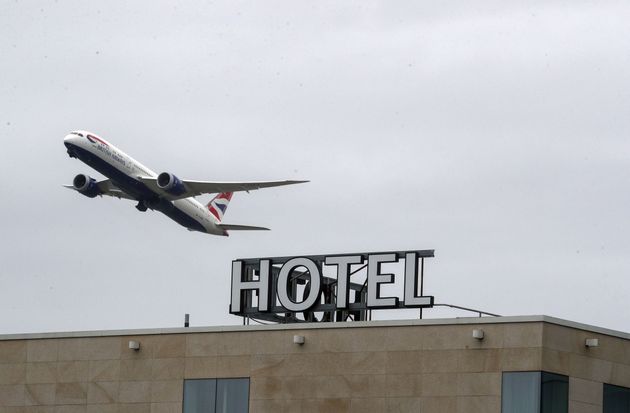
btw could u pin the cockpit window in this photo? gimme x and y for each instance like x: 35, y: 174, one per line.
x: 77, y: 133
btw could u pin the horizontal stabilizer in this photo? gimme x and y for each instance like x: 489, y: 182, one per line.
x: 231, y: 227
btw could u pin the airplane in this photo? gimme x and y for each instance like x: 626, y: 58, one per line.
x: 164, y: 192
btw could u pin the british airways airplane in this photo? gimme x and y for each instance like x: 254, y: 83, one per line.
x: 174, y: 197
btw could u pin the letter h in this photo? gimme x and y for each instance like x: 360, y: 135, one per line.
x: 239, y: 287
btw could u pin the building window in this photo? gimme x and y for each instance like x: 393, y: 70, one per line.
x: 534, y: 392
x: 616, y: 399
x: 216, y: 396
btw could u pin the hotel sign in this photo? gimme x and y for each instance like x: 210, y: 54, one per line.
x: 280, y: 288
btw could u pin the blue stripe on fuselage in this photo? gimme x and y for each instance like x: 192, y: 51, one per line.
x: 135, y: 188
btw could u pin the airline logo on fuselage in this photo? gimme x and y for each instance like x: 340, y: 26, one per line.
x: 94, y: 139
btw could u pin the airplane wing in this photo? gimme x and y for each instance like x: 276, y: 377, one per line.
x: 108, y: 188
x: 195, y: 188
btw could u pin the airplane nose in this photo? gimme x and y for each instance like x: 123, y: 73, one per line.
x: 70, y: 142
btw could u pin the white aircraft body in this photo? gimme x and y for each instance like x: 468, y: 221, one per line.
x: 174, y: 197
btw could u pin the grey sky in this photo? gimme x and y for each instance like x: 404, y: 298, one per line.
x: 494, y: 132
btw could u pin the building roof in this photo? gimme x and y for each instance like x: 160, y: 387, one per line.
x: 312, y: 326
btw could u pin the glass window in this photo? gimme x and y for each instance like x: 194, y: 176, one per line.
x: 534, y: 392
x: 200, y: 396
x: 616, y: 399
x: 216, y: 396
x: 232, y: 395
x: 521, y: 392
x: 555, y: 393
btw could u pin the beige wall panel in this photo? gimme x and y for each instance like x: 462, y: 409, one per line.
x: 167, y: 391
x: 103, y: 392
x: 169, y: 346
x: 439, y: 404
x: 274, y: 406
x: 371, y: 362
x: 104, y: 370
x: 103, y: 408
x: 201, y: 345
x: 523, y: 335
x: 560, y: 338
x: 13, y: 351
x: 267, y: 365
x: 273, y: 342
x: 11, y: 373
x: 136, y: 369
x: 403, y: 385
x: 71, y: 409
x: 478, y: 404
x: 367, y: 385
x: 134, y: 408
x: 579, y: 407
x: 404, y: 339
x: 327, y: 387
x: 168, y: 369
x: 233, y: 366
x: 439, y: 384
x: 73, y: 371
x: 33, y: 409
x: 621, y: 375
x: 590, y: 368
x: 479, y: 360
x: 318, y: 364
x: 447, y: 337
x: 40, y: 394
x: 103, y: 348
x: 521, y: 359
x: 200, y: 367
x: 404, y: 362
x: 71, y: 393
x: 45, y: 372
x: 266, y: 388
x: 72, y: 349
x: 555, y: 361
x: 234, y: 344
x: 12, y: 395
x: 479, y: 384
x: 166, y: 407
x: 403, y: 404
x: 586, y: 391
x: 134, y: 392
x: 440, y: 361
x: 42, y: 350
x: 371, y: 405
x: 324, y: 405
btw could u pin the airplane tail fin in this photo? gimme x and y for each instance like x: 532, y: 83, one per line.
x: 218, y: 205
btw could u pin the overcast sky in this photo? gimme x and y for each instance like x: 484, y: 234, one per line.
x: 496, y: 133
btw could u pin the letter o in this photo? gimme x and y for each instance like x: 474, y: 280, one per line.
x: 283, y: 279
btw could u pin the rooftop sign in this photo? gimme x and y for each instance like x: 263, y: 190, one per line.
x: 279, y: 289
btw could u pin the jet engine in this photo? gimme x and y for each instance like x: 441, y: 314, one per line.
x: 86, y: 185
x: 170, y: 183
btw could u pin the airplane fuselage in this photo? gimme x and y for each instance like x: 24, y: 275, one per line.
x: 124, y: 173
